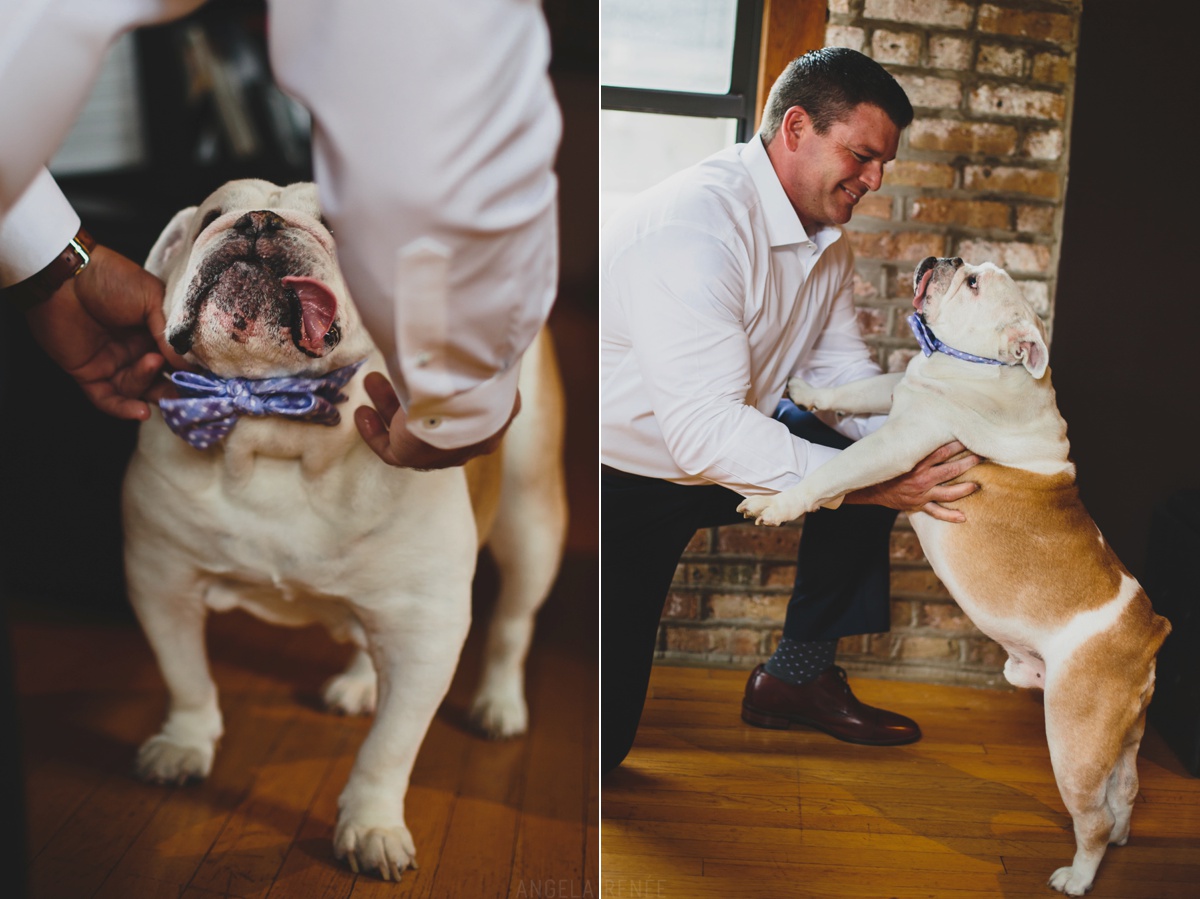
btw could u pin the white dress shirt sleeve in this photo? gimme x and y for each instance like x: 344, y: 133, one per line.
x: 682, y: 297
x: 35, y: 230
x: 435, y: 133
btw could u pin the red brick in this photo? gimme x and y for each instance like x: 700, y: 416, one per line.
x: 986, y: 652
x: 898, y: 360
x: 689, y: 639
x: 928, y: 648
x: 898, y: 47
x: 903, y: 611
x: 944, y: 616
x: 909, y: 173
x: 1011, y: 179
x: 883, y: 646
x: 998, y: 59
x: 917, y: 581
x: 782, y: 574
x: 754, y: 606
x: 928, y: 92
x: 1051, y: 68
x: 906, y: 547
x: 966, y: 213
x: 699, y: 543
x: 696, y: 574
x: 1022, y: 102
x: 864, y: 289
x: 897, y: 245
x: 682, y: 606
x: 872, y: 322
x: 946, y: 52
x: 748, y: 539
x: 845, y: 36
x: 877, y: 206
x: 952, y: 136
x: 1056, y: 28
x: 944, y: 13
x: 1047, y: 145
x: 1036, y: 219
x: 1012, y: 256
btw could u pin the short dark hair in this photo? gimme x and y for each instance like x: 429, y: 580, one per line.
x: 829, y: 84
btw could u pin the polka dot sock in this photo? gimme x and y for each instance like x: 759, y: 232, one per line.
x: 801, y: 661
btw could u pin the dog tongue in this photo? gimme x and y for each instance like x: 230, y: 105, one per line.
x: 921, y: 288
x: 318, y: 307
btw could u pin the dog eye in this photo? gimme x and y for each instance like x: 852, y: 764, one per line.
x: 972, y: 281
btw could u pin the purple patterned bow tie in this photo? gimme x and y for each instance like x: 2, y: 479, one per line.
x: 210, y: 406
x: 930, y: 344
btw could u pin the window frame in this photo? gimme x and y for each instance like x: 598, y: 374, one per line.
x: 740, y: 102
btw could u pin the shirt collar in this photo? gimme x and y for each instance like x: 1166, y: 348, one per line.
x: 783, y: 225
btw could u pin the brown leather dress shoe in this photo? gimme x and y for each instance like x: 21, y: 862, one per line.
x: 826, y: 704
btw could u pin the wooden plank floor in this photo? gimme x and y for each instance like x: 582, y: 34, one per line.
x: 706, y: 806
x: 490, y: 819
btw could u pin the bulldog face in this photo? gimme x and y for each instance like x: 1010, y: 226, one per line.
x: 253, y: 288
x: 980, y: 309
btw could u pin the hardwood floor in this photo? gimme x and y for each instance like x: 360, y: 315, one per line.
x: 489, y: 818
x: 706, y: 806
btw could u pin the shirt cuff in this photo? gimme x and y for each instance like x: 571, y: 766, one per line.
x: 35, y: 230
x: 467, y: 417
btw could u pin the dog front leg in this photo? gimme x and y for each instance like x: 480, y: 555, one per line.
x: 868, y: 396
x: 414, y: 646
x: 171, y: 610
x: 891, y: 451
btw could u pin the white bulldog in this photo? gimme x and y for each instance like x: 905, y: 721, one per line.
x: 291, y: 516
x: 1029, y: 565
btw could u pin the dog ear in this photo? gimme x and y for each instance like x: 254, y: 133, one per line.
x: 1026, y: 343
x: 166, y: 248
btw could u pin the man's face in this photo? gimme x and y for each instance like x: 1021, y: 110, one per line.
x: 825, y: 175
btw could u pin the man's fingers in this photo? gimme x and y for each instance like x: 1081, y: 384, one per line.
x: 382, y: 395
x: 951, y: 492
x: 942, y: 453
x: 374, y: 432
x: 948, y: 471
x: 933, y: 510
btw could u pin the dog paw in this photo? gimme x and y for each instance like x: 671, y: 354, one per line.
x: 804, y: 394
x: 500, y: 711
x: 161, y: 760
x: 351, y: 693
x: 1068, y: 880
x: 768, y: 510
x: 368, y: 849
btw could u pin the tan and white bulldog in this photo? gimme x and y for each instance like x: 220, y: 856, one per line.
x: 1029, y: 565
x: 292, y: 517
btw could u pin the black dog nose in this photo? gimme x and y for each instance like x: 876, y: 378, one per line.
x: 259, y: 222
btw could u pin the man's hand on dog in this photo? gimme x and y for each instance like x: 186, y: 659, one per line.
x: 924, y: 488
x: 98, y: 328
x: 385, y: 430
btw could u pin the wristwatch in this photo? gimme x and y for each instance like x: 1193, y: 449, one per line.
x: 37, y: 288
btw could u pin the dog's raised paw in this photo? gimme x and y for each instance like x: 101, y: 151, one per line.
x: 1068, y: 880
x: 350, y: 693
x: 160, y: 760
x: 383, y: 851
x: 803, y: 394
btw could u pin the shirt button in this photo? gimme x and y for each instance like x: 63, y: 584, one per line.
x: 431, y: 422
x: 423, y: 359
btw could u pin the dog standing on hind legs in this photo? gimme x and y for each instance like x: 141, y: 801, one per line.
x: 272, y: 502
x: 1028, y: 566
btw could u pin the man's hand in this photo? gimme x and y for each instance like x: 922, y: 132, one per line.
x: 385, y: 430
x: 925, y: 487
x: 104, y: 328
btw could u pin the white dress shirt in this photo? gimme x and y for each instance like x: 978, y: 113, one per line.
x: 435, y: 130
x: 712, y: 296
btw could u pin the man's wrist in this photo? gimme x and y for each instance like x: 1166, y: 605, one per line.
x: 38, y: 288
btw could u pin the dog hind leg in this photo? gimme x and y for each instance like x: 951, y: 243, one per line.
x: 526, y: 541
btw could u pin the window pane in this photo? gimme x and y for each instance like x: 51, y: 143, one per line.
x: 637, y: 150
x: 679, y: 45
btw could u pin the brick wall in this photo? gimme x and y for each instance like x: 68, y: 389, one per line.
x: 981, y: 174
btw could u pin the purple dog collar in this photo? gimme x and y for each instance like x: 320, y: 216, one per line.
x: 210, y: 406
x: 930, y: 344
